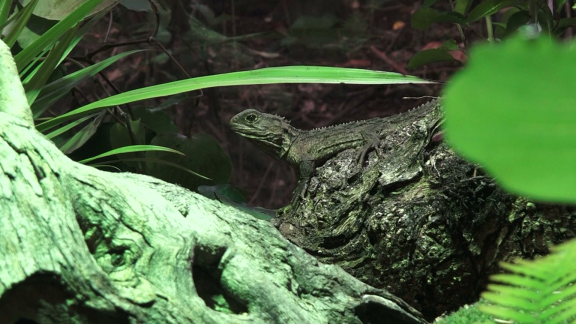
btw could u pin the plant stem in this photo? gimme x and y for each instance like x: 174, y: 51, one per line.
x: 490, y: 29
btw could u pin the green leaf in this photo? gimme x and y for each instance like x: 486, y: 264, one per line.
x: 423, y: 18
x: 462, y: 6
x: 539, y: 291
x: 203, y: 156
x: 10, y: 38
x: 13, y: 17
x: 68, y: 127
x: 516, y: 21
x: 562, y: 24
x: 35, y: 27
x: 451, y: 17
x: 39, y: 79
x: 120, y: 137
x: 504, y: 312
x: 137, y: 5
x: 428, y: 3
x: 170, y: 102
x: 326, y: 21
x: 489, y: 7
x: 50, y: 93
x: 224, y: 191
x: 521, y: 129
x: 290, y: 74
x: 28, y: 54
x: 81, y: 136
x: 131, y: 149
x: 60, y: 9
x: 511, y: 301
x: 162, y: 162
x: 158, y: 121
x: 559, y: 5
x: 450, y: 45
x: 4, y: 12
x: 430, y: 56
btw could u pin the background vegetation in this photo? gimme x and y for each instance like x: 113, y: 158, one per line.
x: 61, y: 64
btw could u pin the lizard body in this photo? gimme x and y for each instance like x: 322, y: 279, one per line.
x: 306, y: 149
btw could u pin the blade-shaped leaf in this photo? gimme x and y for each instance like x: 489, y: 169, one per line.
x: 4, y: 12
x: 132, y: 149
x: 19, y: 25
x: 82, y: 136
x: 26, y: 56
x: 50, y: 93
x: 160, y: 161
x: 68, y: 127
x: 291, y: 74
x: 33, y: 87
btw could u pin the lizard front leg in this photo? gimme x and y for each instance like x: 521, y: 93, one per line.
x: 371, y: 144
x: 305, y: 173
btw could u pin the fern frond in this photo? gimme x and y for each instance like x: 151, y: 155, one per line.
x: 539, y: 291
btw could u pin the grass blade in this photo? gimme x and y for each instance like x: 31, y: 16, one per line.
x: 19, y: 25
x: 39, y: 79
x: 29, y: 53
x: 4, y: 12
x: 50, y: 93
x: 68, y: 127
x: 290, y: 74
x: 82, y: 136
x: 132, y: 149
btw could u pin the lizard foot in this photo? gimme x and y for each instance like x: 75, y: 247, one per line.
x: 371, y: 145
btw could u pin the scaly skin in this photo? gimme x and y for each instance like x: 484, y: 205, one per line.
x: 306, y: 149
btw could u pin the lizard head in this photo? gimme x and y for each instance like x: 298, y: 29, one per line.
x: 271, y: 133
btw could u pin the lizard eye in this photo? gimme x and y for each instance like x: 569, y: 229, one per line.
x: 251, y: 118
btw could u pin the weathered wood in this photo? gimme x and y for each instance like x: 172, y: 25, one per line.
x: 418, y: 220
x: 79, y: 245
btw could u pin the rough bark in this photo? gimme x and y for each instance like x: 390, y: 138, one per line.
x: 419, y: 221
x: 79, y: 245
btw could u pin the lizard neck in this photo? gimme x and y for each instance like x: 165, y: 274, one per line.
x: 278, y: 141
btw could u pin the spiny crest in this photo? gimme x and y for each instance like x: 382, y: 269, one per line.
x: 337, y: 125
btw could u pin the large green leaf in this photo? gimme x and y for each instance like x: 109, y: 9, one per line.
x: 291, y: 74
x: 513, y: 111
x: 60, y: 9
x: 35, y: 27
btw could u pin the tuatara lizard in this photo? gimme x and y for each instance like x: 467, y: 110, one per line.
x: 306, y: 149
